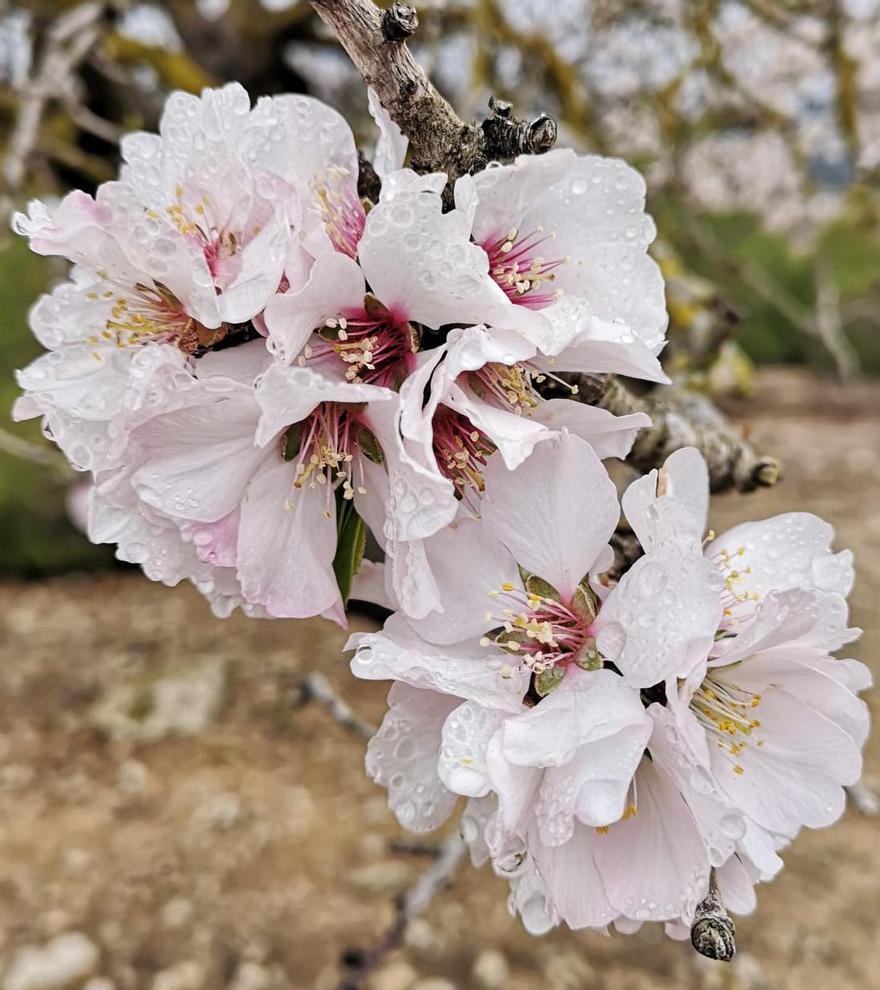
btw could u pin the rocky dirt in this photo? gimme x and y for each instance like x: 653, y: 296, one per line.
x: 170, y: 820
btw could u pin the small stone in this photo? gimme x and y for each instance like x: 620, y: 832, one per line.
x: 421, y: 937
x: 381, y: 878
x: 132, y: 777
x: 490, y: 970
x: 395, y: 976
x: 187, y: 975
x: 219, y: 811
x: 176, y: 912
x: 181, y: 703
x: 66, y: 960
x: 567, y: 971
x: 99, y: 983
x: 251, y: 976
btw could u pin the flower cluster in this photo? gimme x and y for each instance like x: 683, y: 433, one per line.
x: 618, y: 742
x: 256, y: 365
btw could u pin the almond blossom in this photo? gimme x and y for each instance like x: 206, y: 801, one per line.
x: 178, y: 253
x: 616, y: 754
x: 565, y: 225
x: 508, y: 695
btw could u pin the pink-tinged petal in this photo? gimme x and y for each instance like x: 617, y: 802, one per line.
x: 392, y: 144
x: 588, y: 706
x: 215, y: 543
x: 575, y: 887
x: 514, y: 436
x: 463, y: 670
x: 792, y: 550
x: 585, y: 216
x: 467, y: 563
x: 402, y: 757
x: 811, y: 681
x: 808, y: 621
x: 243, y: 364
x: 795, y: 777
x: 661, y: 619
x: 286, y: 395
x: 612, y: 357
x: 555, y: 513
x: 670, y: 505
x: 529, y: 899
x: 736, y: 881
x: 370, y: 585
x: 286, y: 545
x: 516, y: 787
x: 335, y: 285
x: 198, y: 461
x: 593, y: 787
x: 421, y: 263
x: 462, y: 765
x: 305, y: 164
x: 412, y: 581
x: 419, y: 499
x: 653, y: 864
x: 260, y: 267
x: 762, y: 849
x: 607, y: 434
x: 720, y: 825
x: 76, y: 229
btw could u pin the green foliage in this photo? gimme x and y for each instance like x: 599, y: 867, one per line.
x: 850, y: 250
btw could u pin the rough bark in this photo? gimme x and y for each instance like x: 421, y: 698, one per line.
x: 682, y: 418
x: 439, y: 140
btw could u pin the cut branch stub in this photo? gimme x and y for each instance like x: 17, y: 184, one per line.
x: 439, y: 140
x: 507, y: 137
x: 399, y: 22
x: 713, y: 933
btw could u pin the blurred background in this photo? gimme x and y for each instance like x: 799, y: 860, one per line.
x: 170, y: 811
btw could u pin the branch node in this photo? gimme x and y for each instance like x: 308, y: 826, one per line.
x: 713, y: 933
x: 506, y: 136
x: 399, y: 22
x: 540, y: 135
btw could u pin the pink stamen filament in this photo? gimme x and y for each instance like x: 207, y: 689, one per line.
x: 540, y: 631
x: 330, y: 452
x: 375, y: 351
x: 461, y: 450
x: 519, y: 271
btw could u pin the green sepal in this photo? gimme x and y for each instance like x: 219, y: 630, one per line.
x: 369, y: 445
x: 584, y: 603
x: 538, y: 586
x: 351, y: 541
x: 549, y: 680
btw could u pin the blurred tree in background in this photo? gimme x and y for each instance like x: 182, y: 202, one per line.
x: 756, y: 123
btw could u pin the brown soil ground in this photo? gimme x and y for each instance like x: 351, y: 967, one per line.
x: 253, y: 852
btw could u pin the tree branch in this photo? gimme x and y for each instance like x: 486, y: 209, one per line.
x: 414, y: 902
x: 439, y: 140
x: 69, y: 41
x: 682, y: 418
x: 316, y: 687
